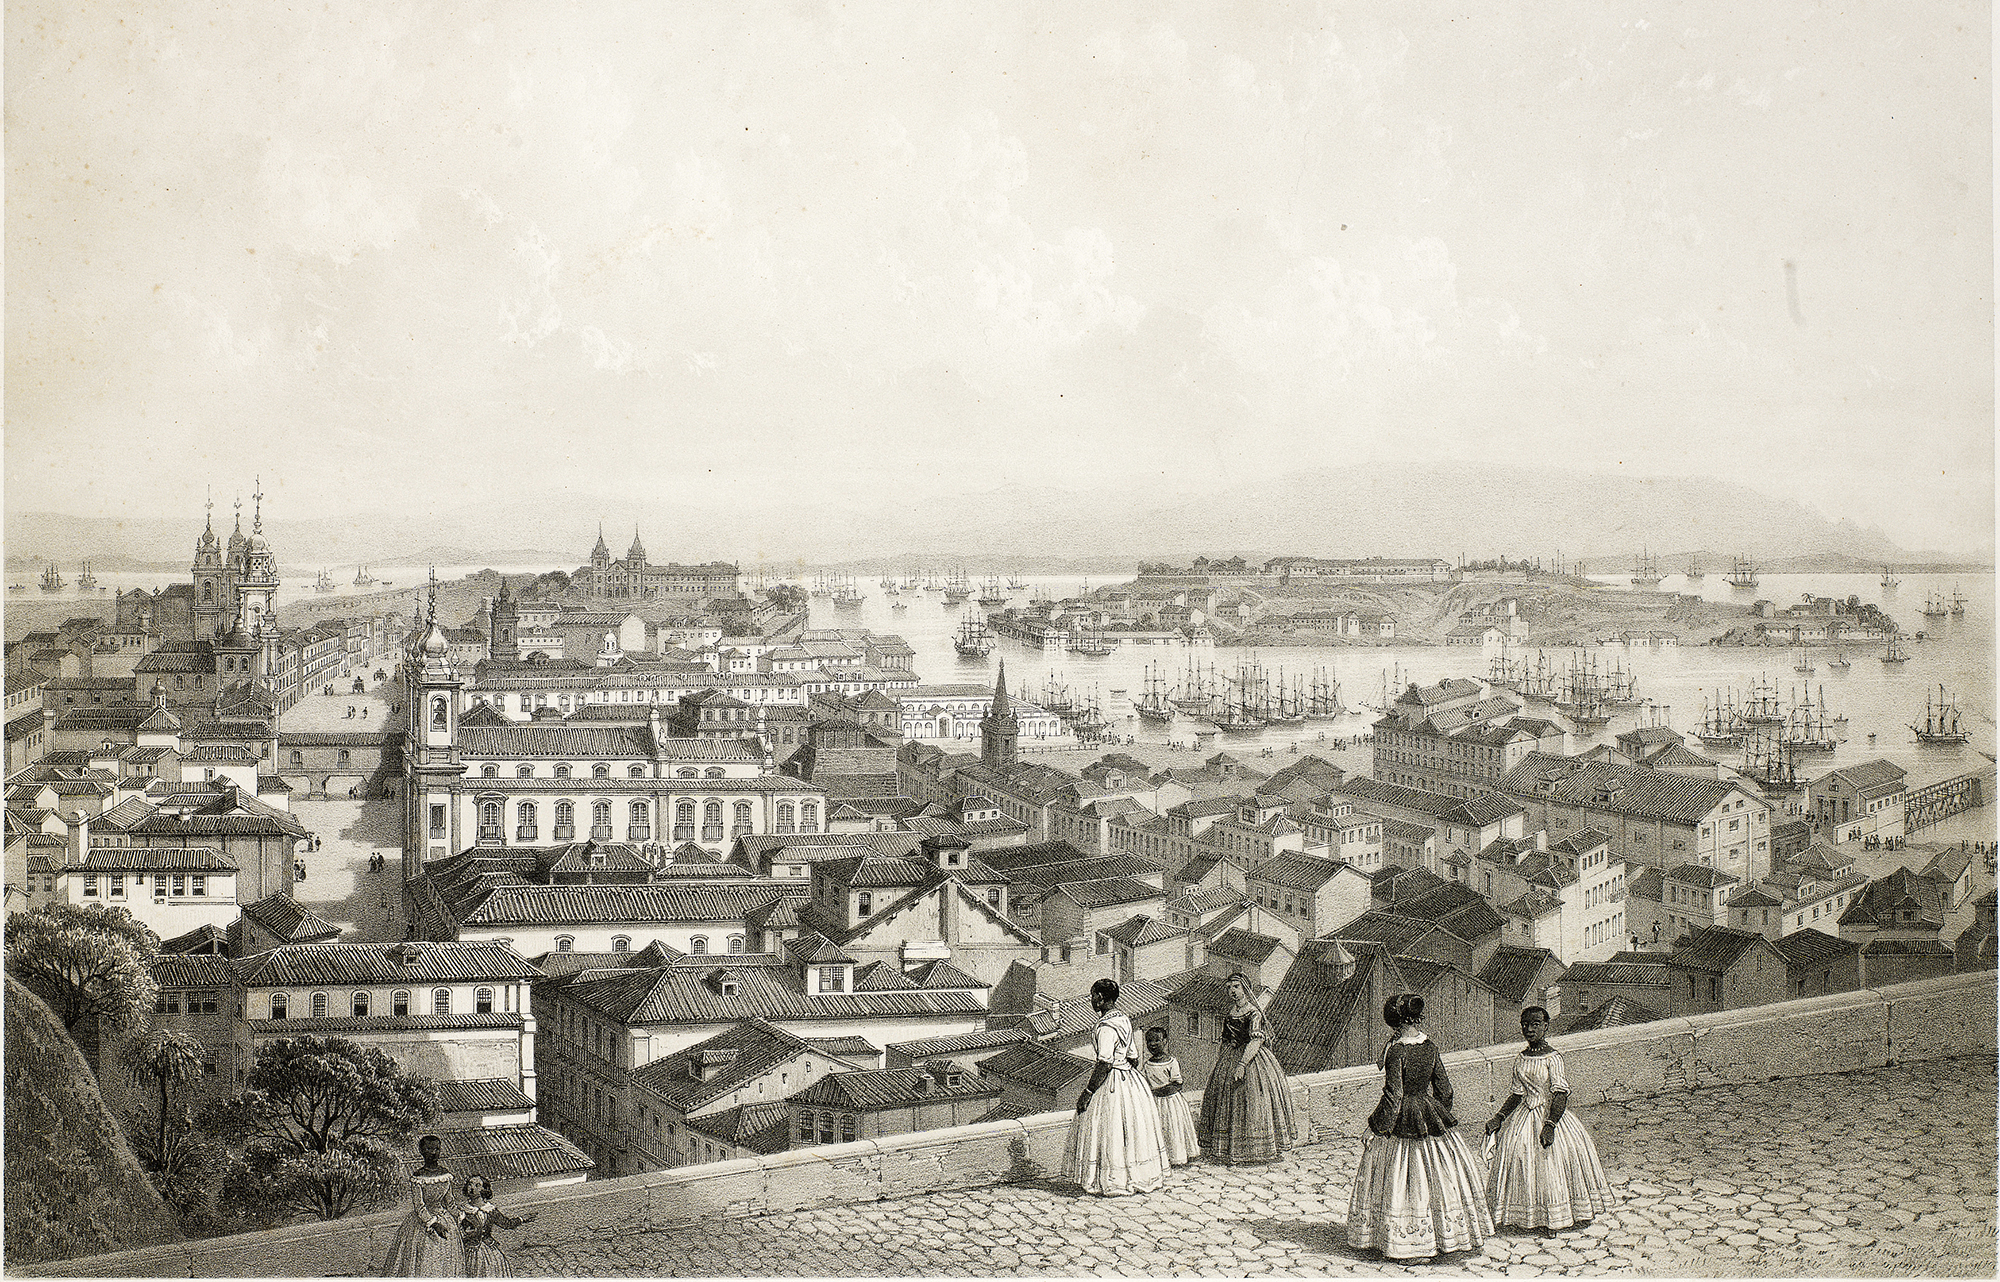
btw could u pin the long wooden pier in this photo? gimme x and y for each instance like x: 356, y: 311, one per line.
x: 1936, y: 802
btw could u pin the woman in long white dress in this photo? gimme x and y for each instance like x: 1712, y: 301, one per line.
x: 1115, y: 1145
x: 1546, y: 1174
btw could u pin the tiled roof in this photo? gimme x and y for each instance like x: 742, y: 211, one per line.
x: 1702, y: 876
x: 1036, y: 1066
x: 1110, y: 891
x: 959, y: 1043
x: 386, y: 1023
x: 1904, y: 947
x: 289, y: 920
x: 150, y: 859
x: 1869, y: 776
x: 1613, y: 1012
x: 876, y: 871
x: 1295, y: 871
x: 1311, y: 1008
x: 1812, y: 948
x: 193, y: 970
x: 1647, y: 970
x: 880, y: 1088
x: 523, y: 1151
x: 1243, y: 946
x: 1634, y: 791
x: 484, y: 1094
x: 299, y: 965
x: 845, y: 1047
x: 554, y: 739
x: 588, y: 905
x: 1511, y: 971
x: 1137, y: 932
x: 205, y: 939
x: 763, y: 1129
x: 682, y: 994
x: 743, y: 1052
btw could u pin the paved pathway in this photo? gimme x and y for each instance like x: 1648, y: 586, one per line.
x: 1882, y: 1173
x: 339, y: 884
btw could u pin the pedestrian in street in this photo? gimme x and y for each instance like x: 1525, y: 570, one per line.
x: 364, y: 714
x: 1417, y: 1190
x: 483, y: 1256
x: 1163, y: 1074
x: 1115, y: 1147
x: 1246, y: 1108
x: 1545, y: 1170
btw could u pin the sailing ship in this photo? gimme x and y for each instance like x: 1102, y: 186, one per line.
x: 1055, y: 698
x: 324, y: 583
x: 1238, y: 716
x: 1016, y: 584
x: 1941, y: 726
x: 1621, y: 687
x: 1694, y: 574
x: 1839, y: 662
x: 992, y: 598
x: 1719, y: 725
x: 1894, y: 652
x: 1090, y: 725
x: 1583, y: 695
x: 86, y: 580
x: 52, y: 579
x: 1809, y: 729
x: 973, y: 640
x: 1504, y: 673
x: 1762, y: 707
x: 1935, y: 606
x: 1197, y: 692
x: 1889, y: 579
x: 1770, y: 765
x: 819, y: 587
x: 1646, y: 573
x: 363, y: 579
x: 847, y: 597
x: 1743, y: 573
x: 956, y: 589
x: 886, y: 583
x: 1156, y: 704
x: 1323, y: 697
x: 1804, y: 664
x: 1957, y: 602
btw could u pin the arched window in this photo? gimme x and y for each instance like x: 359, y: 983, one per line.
x: 565, y: 820
x: 742, y: 826
x: 489, y: 771
x: 805, y: 1126
x: 441, y: 1002
x: 482, y: 1001
x: 279, y: 1004
x: 489, y: 820
x: 698, y: 945
x: 319, y: 1006
x: 786, y: 823
x: 826, y: 1126
x: 524, y: 772
x: 526, y: 813
x: 636, y: 772
x: 711, y: 821
x: 359, y: 1006
x: 562, y: 772
x: 600, y: 771
x: 713, y: 772
x: 399, y: 1003
x: 735, y: 945
x: 684, y: 821
x: 640, y: 813
x: 565, y: 943
x: 847, y: 1128
x: 687, y: 772
x: 809, y: 816
x: 621, y: 943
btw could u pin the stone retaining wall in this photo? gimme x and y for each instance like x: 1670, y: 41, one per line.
x: 1931, y: 1019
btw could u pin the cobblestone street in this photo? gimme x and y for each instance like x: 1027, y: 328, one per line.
x: 1882, y: 1173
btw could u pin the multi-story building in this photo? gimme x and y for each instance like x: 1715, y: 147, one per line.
x: 1310, y: 893
x: 1566, y: 896
x: 634, y: 576
x: 1456, y: 738
x: 1859, y: 801
x: 1717, y: 968
x: 679, y: 1100
x: 1654, y: 817
x: 877, y: 1104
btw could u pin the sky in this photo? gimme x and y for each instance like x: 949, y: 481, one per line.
x: 397, y: 256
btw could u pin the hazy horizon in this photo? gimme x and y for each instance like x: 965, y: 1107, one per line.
x: 627, y: 258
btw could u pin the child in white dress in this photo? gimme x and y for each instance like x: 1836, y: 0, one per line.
x: 1115, y: 1146
x: 1545, y: 1171
x: 1163, y: 1074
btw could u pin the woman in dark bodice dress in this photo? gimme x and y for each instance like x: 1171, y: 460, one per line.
x: 1246, y: 1108
x: 483, y: 1256
x: 1419, y: 1191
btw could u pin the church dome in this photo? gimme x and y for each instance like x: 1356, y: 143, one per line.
x: 435, y: 642
x: 238, y: 637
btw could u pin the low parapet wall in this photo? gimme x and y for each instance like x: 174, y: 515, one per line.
x: 1943, y: 1018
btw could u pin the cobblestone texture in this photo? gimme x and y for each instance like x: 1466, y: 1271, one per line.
x: 1882, y: 1173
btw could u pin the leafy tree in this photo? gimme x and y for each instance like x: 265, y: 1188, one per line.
x: 789, y: 597
x: 164, y: 1145
x: 319, y: 1127
x: 85, y: 961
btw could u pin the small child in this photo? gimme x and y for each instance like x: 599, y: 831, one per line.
x: 1546, y: 1174
x: 1163, y: 1074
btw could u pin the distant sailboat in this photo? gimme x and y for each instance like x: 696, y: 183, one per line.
x: 1941, y: 722
x: 1694, y: 574
x: 1743, y: 574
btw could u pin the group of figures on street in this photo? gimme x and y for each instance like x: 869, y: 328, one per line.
x: 443, y: 1237
x: 1419, y: 1190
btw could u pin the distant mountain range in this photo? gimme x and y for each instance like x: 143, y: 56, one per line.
x: 1369, y: 510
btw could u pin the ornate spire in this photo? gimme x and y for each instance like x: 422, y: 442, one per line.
x: 239, y: 514
x: 1003, y: 705
x: 209, y: 507
x: 257, y: 516
x: 431, y: 602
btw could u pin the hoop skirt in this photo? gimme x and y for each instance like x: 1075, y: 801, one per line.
x: 1532, y: 1187
x: 1250, y: 1120
x: 1418, y: 1189
x: 1115, y: 1147
x: 417, y: 1252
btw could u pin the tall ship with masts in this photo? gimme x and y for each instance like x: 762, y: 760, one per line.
x: 1894, y: 652
x: 1583, y: 695
x: 324, y: 583
x: 1089, y: 642
x: 85, y: 579
x: 1015, y: 583
x: 1941, y: 726
x: 992, y: 598
x: 1957, y: 602
x: 1720, y: 727
x: 1743, y: 573
x: 1238, y: 713
x: 848, y: 597
x: 1694, y: 574
x: 1809, y: 729
x: 1935, y: 606
x: 1646, y: 572
x: 1771, y: 765
x: 973, y: 640
x: 1762, y: 707
x: 52, y: 579
x: 956, y: 589
x: 1156, y: 703
x: 363, y: 579
x: 1889, y: 579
